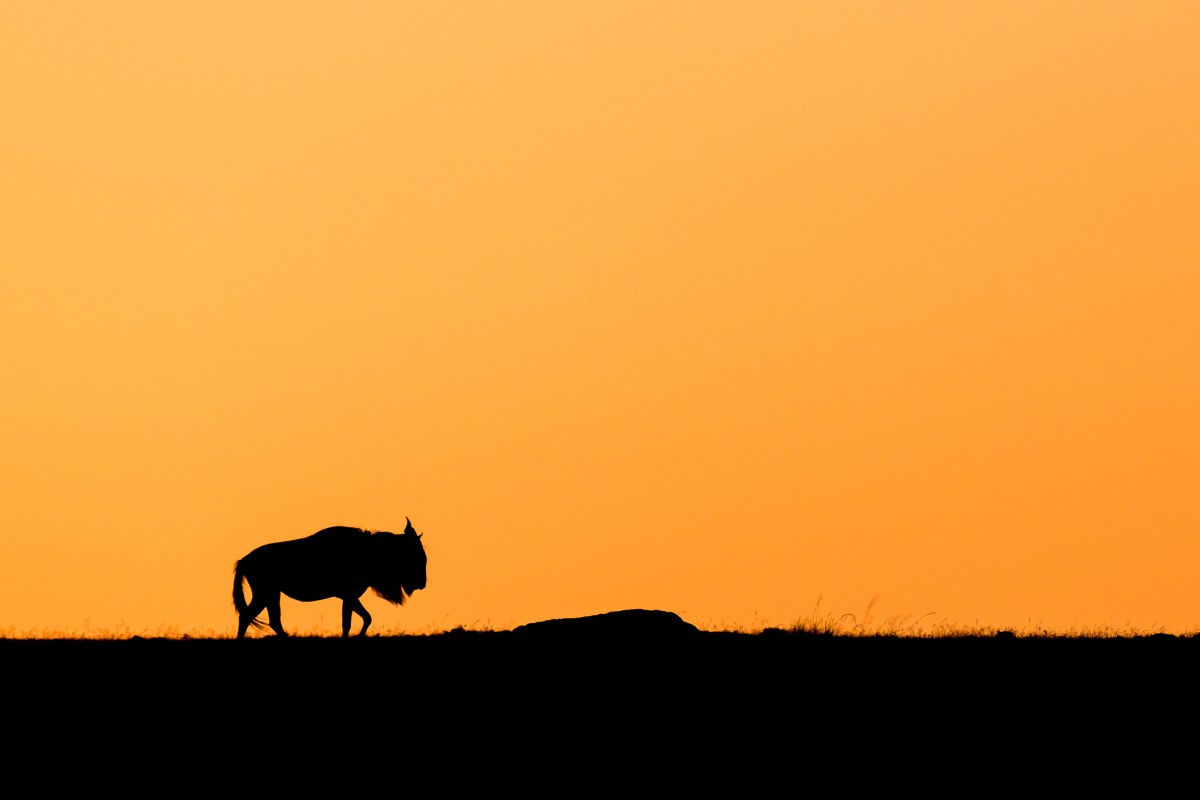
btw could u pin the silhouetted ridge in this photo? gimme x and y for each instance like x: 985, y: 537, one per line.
x: 633, y: 624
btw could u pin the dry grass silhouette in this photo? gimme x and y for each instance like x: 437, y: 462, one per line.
x: 815, y: 625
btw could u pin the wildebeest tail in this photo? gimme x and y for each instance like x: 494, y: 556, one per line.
x: 239, y: 594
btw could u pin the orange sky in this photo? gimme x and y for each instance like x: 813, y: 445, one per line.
x: 736, y: 310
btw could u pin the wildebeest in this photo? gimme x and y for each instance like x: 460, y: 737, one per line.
x: 335, y: 562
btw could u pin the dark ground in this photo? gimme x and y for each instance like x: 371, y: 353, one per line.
x: 605, y: 692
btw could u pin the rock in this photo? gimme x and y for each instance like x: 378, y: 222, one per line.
x: 634, y: 624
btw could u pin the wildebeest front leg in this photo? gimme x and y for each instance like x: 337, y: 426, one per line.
x: 351, y: 607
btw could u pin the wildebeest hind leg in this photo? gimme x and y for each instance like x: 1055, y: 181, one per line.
x: 247, y: 618
x: 349, y: 608
x: 273, y: 616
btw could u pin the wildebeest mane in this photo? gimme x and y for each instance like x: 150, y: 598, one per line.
x: 392, y: 559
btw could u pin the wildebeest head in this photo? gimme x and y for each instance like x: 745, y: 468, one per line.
x: 399, y: 562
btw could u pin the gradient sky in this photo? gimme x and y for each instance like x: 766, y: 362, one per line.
x: 746, y: 311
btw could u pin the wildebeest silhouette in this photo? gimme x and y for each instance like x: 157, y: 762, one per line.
x: 337, y: 562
